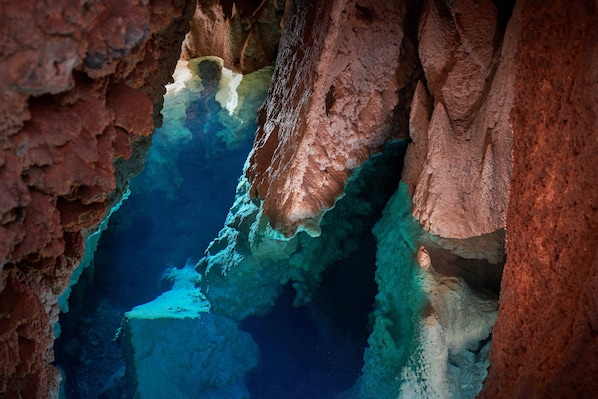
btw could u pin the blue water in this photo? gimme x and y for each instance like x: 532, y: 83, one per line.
x: 151, y: 231
x: 177, y: 206
x: 165, y: 222
x: 316, y: 351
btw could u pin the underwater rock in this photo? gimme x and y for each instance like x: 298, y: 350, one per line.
x: 175, y: 346
x: 431, y: 327
x: 454, y: 335
x: 208, y: 112
x: 246, y: 267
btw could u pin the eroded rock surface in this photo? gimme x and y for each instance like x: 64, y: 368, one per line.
x: 460, y: 162
x: 175, y: 346
x: 79, y: 85
x: 433, y: 313
x: 331, y: 105
x: 546, y: 336
x: 474, y: 101
x: 339, y: 104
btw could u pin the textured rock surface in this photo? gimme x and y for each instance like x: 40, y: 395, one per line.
x: 246, y: 267
x: 245, y: 34
x: 459, y: 165
x: 78, y: 86
x: 330, y: 106
x: 469, y: 78
x: 546, y: 336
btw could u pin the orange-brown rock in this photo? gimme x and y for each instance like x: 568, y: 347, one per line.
x: 245, y: 34
x: 332, y: 102
x: 80, y: 88
x: 545, y: 341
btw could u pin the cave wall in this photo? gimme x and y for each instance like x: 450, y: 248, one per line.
x: 81, y: 87
x: 467, y: 63
x: 315, y: 127
x: 500, y: 91
x: 245, y: 34
x: 546, y: 336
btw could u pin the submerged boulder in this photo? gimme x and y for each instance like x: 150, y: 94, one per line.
x: 175, y: 348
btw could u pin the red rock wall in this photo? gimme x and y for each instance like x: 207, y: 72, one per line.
x: 545, y: 342
x: 81, y: 86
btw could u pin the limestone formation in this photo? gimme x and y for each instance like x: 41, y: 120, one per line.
x: 433, y: 313
x: 469, y: 76
x: 500, y: 107
x: 175, y: 346
x: 246, y: 267
x: 546, y: 337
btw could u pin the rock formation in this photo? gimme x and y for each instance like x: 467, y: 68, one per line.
x: 480, y: 67
x: 467, y: 65
x: 176, y: 347
x: 330, y: 106
x: 81, y: 87
x: 500, y: 104
x: 433, y: 313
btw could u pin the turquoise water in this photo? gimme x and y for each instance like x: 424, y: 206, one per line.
x: 167, y: 310
x: 176, y: 207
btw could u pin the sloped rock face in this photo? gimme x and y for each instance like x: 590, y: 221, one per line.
x: 245, y: 34
x: 546, y: 336
x: 331, y: 105
x: 79, y: 84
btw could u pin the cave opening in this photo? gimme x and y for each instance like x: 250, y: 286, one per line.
x: 176, y: 207
x: 316, y: 350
